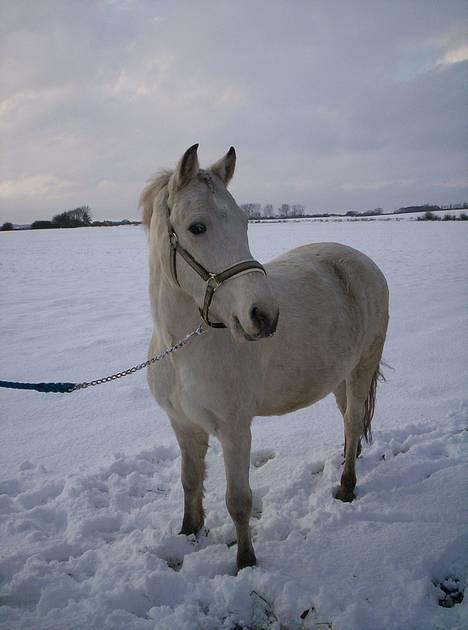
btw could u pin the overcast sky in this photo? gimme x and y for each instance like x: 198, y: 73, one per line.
x: 335, y: 105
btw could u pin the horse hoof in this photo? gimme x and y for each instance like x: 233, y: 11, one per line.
x: 345, y: 495
x: 246, y: 560
x: 187, y: 529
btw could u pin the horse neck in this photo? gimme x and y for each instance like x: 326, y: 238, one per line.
x: 175, y: 313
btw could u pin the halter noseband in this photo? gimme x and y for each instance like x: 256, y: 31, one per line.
x: 213, y: 280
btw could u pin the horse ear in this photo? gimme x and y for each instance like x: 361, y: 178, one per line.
x: 224, y: 168
x: 187, y: 167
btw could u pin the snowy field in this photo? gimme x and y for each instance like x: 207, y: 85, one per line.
x: 90, y: 495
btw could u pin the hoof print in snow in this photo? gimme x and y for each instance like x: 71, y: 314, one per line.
x: 26, y: 465
x: 263, y: 615
x: 317, y: 468
x: 309, y: 620
x: 260, y: 458
x: 175, y: 563
x: 257, y: 506
x: 452, y: 590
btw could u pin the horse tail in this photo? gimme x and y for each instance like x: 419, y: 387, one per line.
x: 369, y: 405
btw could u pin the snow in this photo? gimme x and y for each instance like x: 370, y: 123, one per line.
x: 90, y: 495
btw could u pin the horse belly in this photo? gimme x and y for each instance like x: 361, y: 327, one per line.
x: 296, y: 387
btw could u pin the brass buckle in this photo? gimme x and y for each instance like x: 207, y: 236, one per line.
x: 173, y: 239
x: 213, y: 281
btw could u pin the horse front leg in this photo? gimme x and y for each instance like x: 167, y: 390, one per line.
x: 236, y: 443
x: 193, y: 442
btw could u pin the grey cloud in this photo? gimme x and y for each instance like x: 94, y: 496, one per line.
x: 333, y: 105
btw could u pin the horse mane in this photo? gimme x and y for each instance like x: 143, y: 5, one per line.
x: 157, y: 183
x: 153, y: 187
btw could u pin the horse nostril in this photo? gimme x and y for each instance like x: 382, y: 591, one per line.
x: 261, y: 320
x: 256, y: 314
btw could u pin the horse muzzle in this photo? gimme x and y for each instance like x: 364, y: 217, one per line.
x: 262, y: 324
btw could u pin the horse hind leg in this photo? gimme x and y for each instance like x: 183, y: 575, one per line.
x: 193, y: 442
x: 340, y: 396
x: 361, y: 388
x: 342, y: 403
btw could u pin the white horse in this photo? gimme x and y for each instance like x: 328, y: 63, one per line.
x: 332, y: 303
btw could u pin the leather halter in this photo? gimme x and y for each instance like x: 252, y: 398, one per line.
x: 213, y: 280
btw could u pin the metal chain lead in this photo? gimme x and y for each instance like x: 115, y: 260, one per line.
x: 161, y: 355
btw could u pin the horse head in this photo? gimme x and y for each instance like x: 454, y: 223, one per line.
x: 208, y: 230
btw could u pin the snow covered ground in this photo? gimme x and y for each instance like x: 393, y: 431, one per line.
x: 90, y: 496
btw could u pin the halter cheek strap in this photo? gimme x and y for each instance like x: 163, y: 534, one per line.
x: 213, y: 280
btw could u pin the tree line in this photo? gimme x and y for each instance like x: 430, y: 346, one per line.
x: 430, y: 216
x: 82, y: 217
x: 78, y: 217
x: 256, y: 211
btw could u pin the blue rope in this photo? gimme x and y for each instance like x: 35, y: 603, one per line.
x: 67, y: 388
x: 58, y: 388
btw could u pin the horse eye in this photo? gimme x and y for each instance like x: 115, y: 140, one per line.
x: 197, y: 228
